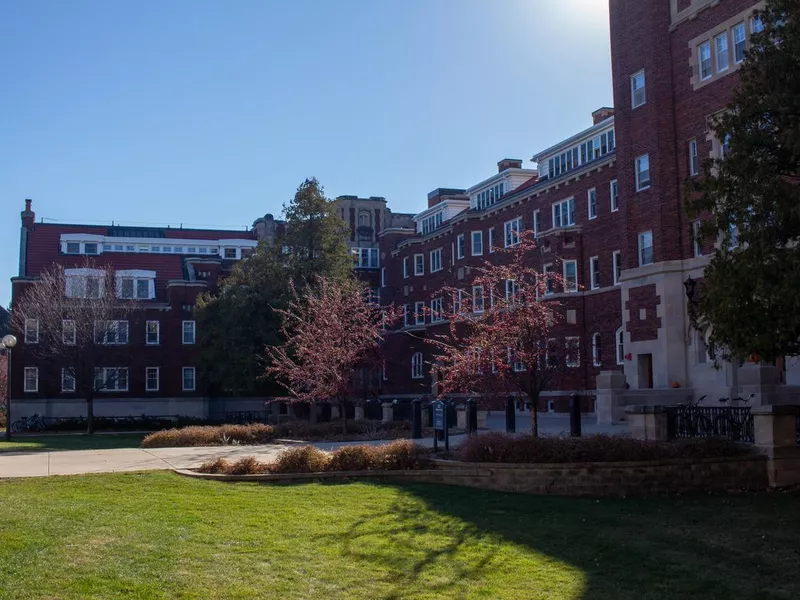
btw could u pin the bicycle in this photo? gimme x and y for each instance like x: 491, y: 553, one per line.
x: 33, y: 423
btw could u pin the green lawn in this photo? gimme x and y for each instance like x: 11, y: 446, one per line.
x: 100, y: 441
x: 162, y: 536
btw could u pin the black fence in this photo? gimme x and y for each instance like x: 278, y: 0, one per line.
x: 689, y: 422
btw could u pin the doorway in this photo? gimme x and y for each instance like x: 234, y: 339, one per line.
x: 645, y: 367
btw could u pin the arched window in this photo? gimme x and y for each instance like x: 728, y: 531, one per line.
x: 597, y: 350
x: 620, y: 337
x: 416, y: 366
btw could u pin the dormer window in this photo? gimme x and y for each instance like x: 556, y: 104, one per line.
x: 230, y: 253
x: 136, y: 285
x: 73, y: 248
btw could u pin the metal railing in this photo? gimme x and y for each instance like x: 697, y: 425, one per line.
x: 731, y: 422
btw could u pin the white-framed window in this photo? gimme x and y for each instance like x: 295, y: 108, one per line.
x: 113, y: 333
x: 419, y: 264
x: 564, y: 213
x: 694, y: 163
x: 437, y: 310
x: 591, y: 201
x: 31, y: 331
x: 67, y: 381
x: 436, y: 260
x: 614, y: 189
x: 616, y: 259
x: 407, y: 315
x: 638, y: 95
x: 91, y: 248
x: 619, y: 337
x: 597, y: 350
x: 594, y: 270
x: 739, y: 42
x: 31, y: 379
x: 642, y: 165
x: 698, y: 250
x: 366, y: 258
x: 226, y: 252
x: 645, y: 248
x: 721, y: 51
x: 491, y: 239
x: 549, y: 284
x: 513, y: 359
x: 704, y: 60
x: 111, y: 379
x: 68, y: 332
x: 416, y: 366
x: 756, y: 25
x: 477, y: 243
x: 537, y: 223
x: 461, y: 245
x: 725, y: 146
x: 152, y: 333
x: 140, y: 288
x: 84, y: 283
x: 188, y: 336
x: 405, y: 267
x: 151, y: 379
x: 512, y: 230
x: 188, y: 380
x: 73, y: 248
x: 419, y: 313
x: 511, y: 289
x: 570, y: 274
x: 458, y: 299
x: 383, y: 276
x: 572, y: 348
x: 477, y: 298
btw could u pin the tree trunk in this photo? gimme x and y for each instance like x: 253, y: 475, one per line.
x: 343, y: 415
x: 534, y: 398
x: 89, y: 414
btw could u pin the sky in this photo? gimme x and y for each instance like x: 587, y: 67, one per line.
x: 211, y: 113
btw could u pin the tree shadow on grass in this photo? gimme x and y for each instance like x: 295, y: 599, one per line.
x: 709, y: 546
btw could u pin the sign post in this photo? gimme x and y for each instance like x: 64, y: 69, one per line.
x: 440, y: 426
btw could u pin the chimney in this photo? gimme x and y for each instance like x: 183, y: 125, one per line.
x: 509, y: 163
x: 28, y: 216
x: 601, y: 114
x: 434, y: 197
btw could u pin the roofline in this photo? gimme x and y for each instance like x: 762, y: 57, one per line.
x: 513, y: 171
x: 164, y: 227
x: 602, y: 124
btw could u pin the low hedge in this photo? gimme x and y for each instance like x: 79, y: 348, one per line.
x: 504, y: 448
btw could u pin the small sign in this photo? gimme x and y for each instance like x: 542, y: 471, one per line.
x: 438, y: 415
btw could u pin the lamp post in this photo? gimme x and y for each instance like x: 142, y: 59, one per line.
x: 7, y: 343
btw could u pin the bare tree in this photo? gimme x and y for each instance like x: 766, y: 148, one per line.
x: 72, y: 320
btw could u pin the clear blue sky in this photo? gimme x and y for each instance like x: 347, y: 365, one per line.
x: 213, y: 112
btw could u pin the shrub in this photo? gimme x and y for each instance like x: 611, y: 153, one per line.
x: 353, y: 458
x: 219, y: 465
x: 401, y: 455
x: 302, y: 459
x: 255, y: 433
x: 498, y: 447
x: 248, y: 465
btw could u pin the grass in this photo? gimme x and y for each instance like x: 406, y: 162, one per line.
x: 52, y: 442
x: 157, y: 535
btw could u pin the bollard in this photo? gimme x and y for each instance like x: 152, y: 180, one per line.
x: 511, y: 415
x: 472, y: 416
x: 416, y: 418
x: 575, y: 415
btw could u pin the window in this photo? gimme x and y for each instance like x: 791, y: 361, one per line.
x: 573, y: 352
x: 437, y: 313
x: 111, y: 379
x: 227, y: 252
x: 512, y: 229
x: 570, y: 276
x: 73, y: 248
x: 643, y: 172
x: 416, y: 366
x: 564, y: 213
x: 477, y: 243
x: 597, y: 350
x: 67, y: 381
x: 733, y: 236
x: 725, y: 146
x: 721, y: 50
x: 134, y: 287
x: 491, y: 240
x: 419, y: 313
x: 406, y: 315
x: 537, y: 223
x: 432, y: 223
x: 152, y: 333
x: 701, y: 347
x: 68, y: 333
x: 457, y: 301
x: 477, y: 298
x: 436, y: 260
x: 31, y: 379
x: 373, y: 296
x: 637, y: 89
x: 756, y: 25
x: 31, y: 331
x: 151, y: 378
x: 90, y: 248
x: 704, y: 60
x: 614, y: 196
x: 698, y: 251
x: 594, y: 269
x: 245, y: 252
x: 188, y: 332
x: 739, y: 43
x: 645, y: 248
x: 694, y: 165
x: 405, y: 267
x: 419, y: 264
x: 156, y: 248
x: 461, y: 246
x: 516, y: 364
x: 511, y: 289
x: 366, y: 258
x: 383, y: 276
x: 592, y: 203
x: 188, y: 379
x: 620, y: 346
x: 549, y: 286
x: 111, y: 332
x: 79, y: 285
x: 616, y: 257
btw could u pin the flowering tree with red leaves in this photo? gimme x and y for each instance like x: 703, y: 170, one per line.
x: 331, y: 329
x: 501, y: 336
x: 3, y: 386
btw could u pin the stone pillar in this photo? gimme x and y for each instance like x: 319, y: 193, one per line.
x: 611, y: 390
x: 461, y: 417
x: 388, y: 412
x: 334, y: 413
x: 776, y: 437
x: 359, y: 410
x: 483, y: 419
x: 764, y: 381
x: 647, y: 422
